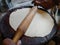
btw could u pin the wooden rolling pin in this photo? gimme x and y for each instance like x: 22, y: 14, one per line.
x: 25, y: 24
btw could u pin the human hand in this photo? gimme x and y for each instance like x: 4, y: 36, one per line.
x: 8, y: 41
x: 45, y: 3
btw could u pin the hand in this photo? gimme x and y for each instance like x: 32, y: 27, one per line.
x: 10, y: 42
x: 45, y: 3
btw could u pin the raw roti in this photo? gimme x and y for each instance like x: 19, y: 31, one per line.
x: 40, y: 26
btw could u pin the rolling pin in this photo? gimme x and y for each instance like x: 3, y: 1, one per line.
x: 25, y: 24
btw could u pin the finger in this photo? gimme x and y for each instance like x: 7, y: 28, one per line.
x: 19, y: 42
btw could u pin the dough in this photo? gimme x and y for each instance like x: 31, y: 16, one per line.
x: 40, y: 26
